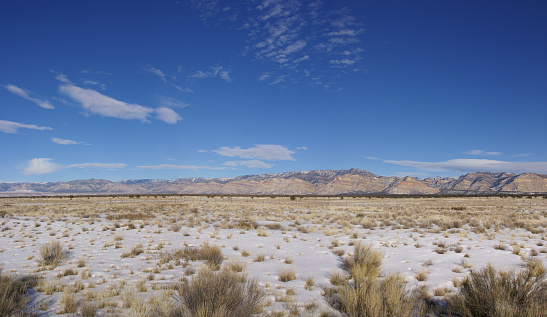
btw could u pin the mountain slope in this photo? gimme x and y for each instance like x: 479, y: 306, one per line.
x: 317, y: 182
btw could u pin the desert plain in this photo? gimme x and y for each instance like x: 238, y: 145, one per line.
x: 125, y: 255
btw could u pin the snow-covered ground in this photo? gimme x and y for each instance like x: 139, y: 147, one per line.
x: 442, y: 237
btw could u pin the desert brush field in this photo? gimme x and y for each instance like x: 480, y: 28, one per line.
x: 273, y: 256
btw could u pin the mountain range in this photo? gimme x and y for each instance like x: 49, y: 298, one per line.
x: 317, y: 182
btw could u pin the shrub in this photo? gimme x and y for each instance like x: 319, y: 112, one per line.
x: 286, y: 274
x: 218, y: 294
x: 489, y: 292
x: 365, y: 262
x: 377, y: 297
x: 368, y: 294
x: 52, y: 253
x: 212, y: 255
x: 12, y: 295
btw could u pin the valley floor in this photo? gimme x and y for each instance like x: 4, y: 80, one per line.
x: 122, y: 251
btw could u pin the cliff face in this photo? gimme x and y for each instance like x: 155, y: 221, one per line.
x: 323, y: 182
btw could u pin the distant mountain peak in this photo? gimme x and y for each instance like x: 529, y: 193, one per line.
x: 314, y: 182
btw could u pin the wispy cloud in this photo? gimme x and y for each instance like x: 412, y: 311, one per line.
x: 156, y: 72
x: 482, y: 153
x: 65, y: 141
x: 169, y: 102
x: 268, y: 152
x: 167, y: 115
x: 294, y: 37
x: 39, y: 166
x: 94, y: 83
x: 27, y: 95
x: 109, y: 166
x: 97, y: 103
x: 62, y: 78
x: 180, y: 167
x: 523, y: 154
x: 249, y: 164
x: 212, y: 72
x: 264, y: 76
x: 477, y: 165
x: 13, y: 127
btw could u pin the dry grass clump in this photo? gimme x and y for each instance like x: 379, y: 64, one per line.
x: 368, y: 294
x: 364, y: 262
x: 52, y: 253
x: 219, y: 294
x: 287, y: 274
x: 70, y: 302
x: 310, y: 282
x: 236, y: 266
x: 12, y: 295
x: 211, y: 254
x: 489, y: 292
x: 135, y: 251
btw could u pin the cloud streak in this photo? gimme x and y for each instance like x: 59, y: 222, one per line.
x: 65, y: 141
x: 13, y: 127
x: 25, y: 94
x: 213, y: 72
x: 180, y: 167
x: 249, y: 164
x: 268, y: 152
x: 295, y: 37
x: 482, y: 153
x: 97, y: 103
x: 40, y: 166
x: 477, y: 165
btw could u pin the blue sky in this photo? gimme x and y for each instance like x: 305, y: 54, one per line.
x: 217, y: 88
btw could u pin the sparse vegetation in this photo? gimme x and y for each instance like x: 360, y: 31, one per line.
x: 221, y: 293
x: 490, y: 292
x: 13, y: 291
x: 52, y: 253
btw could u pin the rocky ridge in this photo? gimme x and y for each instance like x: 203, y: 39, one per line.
x: 318, y: 182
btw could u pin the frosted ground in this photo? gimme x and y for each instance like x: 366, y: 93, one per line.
x: 118, y: 245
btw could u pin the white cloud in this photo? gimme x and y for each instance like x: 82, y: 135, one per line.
x: 343, y: 62
x: 187, y: 90
x: 302, y: 148
x: 167, y: 115
x: 269, y: 152
x: 13, y: 127
x: 249, y: 164
x: 169, y: 102
x: 482, y: 153
x: 225, y: 75
x: 524, y: 154
x: 65, y: 141
x: 477, y: 165
x: 24, y: 94
x: 62, y: 78
x: 99, y: 165
x: 218, y: 71
x: 97, y: 103
x: 200, y: 74
x: 156, y: 72
x: 94, y: 83
x: 264, y: 76
x: 39, y: 166
x: 180, y: 167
